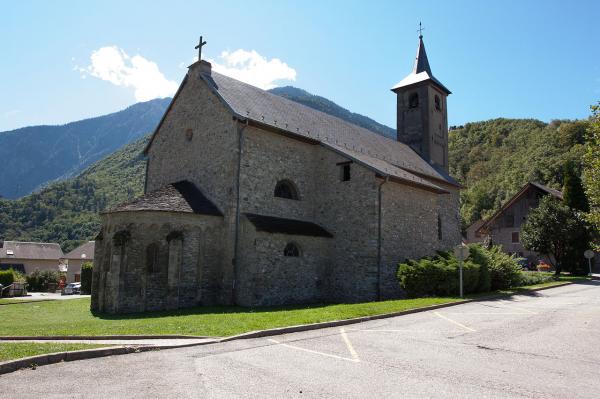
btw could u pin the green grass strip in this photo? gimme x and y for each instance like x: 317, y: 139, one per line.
x: 18, y: 350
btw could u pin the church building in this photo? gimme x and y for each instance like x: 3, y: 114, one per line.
x: 255, y: 200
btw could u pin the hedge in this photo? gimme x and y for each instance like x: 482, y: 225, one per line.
x: 86, y: 277
x: 483, y: 270
x: 7, y: 277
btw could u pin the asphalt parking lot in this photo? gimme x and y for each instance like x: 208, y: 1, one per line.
x: 545, y: 345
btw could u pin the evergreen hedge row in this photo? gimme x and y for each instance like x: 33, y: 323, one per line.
x: 483, y: 270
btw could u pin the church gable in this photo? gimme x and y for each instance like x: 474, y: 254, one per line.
x: 195, y: 141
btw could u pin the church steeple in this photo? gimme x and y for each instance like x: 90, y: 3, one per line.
x: 421, y: 61
x: 422, y: 118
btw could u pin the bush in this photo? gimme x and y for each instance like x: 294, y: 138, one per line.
x: 531, y: 278
x: 505, y: 271
x: 483, y: 270
x: 39, y: 280
x: 437, y: 276
x: 7, y: 277
x: 86, y: 277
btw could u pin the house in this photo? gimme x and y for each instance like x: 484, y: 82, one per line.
x: 504, y: 226
x: 256, y: 200
x: 29, y: 256
x: 76, y: 258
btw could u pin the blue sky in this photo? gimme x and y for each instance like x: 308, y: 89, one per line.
x: 517, y: 59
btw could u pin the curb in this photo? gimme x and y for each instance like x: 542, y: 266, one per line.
x: 335, y: 323
x: 33, y: 362
x: 41, y: 360
x: 97, y: 337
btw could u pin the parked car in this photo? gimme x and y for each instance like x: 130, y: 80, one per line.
x: 72, y: 288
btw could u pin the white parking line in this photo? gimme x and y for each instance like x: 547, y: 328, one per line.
x: 354, y: 360
x: 454, y: 322
x: 349, y: 344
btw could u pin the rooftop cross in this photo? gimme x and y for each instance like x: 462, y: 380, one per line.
x: 420, y: 30
x: 199, y: 47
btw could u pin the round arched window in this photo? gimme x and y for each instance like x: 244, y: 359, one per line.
x: 286, y: 189
x: 291, y: 249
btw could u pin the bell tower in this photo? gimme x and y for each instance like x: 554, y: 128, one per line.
x: 422, y: 115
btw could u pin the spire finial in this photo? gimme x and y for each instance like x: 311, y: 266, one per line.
x: 420, y: 30
x: 199, y: 47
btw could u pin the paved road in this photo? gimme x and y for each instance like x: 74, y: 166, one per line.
x: 541, y: 346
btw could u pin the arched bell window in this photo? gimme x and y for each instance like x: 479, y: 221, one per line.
x: 413, y: 100
x: 286, y: 189
x: 291, y: 250
x: 438, y: 103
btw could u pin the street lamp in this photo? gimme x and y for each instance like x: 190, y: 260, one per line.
x: 461, y: 252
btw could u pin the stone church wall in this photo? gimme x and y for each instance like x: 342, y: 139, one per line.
x: 208, y: 159
x: 127, y: 284
x: 267, y: 277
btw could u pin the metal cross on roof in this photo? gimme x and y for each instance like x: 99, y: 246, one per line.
x: 420, y: 30
x: 199, y: 47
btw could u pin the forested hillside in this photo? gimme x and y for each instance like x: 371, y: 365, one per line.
x: 493, y: 159
x: 67, y: 212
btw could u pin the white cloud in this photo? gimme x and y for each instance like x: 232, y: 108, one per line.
x: 143, y: 76
x: 253, y: 68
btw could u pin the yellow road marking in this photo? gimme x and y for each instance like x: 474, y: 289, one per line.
x: 311, y: 351
x: 454, y: 322
x: 349, y: 344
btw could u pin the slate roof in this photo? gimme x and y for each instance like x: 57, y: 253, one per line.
x: 86, y: 249
x: 272, y: 224
x: 514, y: 198
x: 31, y: 250
x: 249, y: 102
x: 182, y: 196
x: 421, y: 71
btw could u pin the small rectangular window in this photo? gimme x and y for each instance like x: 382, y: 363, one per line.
x: 346, y: 172
x: 439, y: 227
x: 515, y: 237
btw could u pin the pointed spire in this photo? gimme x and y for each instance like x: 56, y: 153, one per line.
x: 421, y: 61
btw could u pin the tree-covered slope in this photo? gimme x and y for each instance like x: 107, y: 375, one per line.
x: 67, y: 212
x: 36, y: 155
x: 495, y: 158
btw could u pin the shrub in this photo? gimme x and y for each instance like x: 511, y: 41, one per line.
x: 531, y: 278
x: 86, y: 277
x: 437, y: 276
x: 39, y: 280
x: 483, y: 270
x: 505, y: 271
x: 7, y: 277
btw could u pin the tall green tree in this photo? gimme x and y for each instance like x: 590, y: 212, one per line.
x: 551, y: 229
x: 591, y: 173
x: 573, y: 194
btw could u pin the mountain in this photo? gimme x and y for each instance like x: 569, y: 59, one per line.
x: 322, y: 104
x: 36, y: 155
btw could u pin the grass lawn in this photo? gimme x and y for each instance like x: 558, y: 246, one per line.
x: 73, y: 317
x: 17, y: 350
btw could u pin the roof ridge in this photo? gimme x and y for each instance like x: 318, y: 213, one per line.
x: 33, y: 242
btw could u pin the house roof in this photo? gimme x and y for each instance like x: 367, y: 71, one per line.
x: 86, y: 249
x: 519, y: 194
x: 272, y: 224
x: 182, y: 196
x: 30, y: 250
x: 421, y: 71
